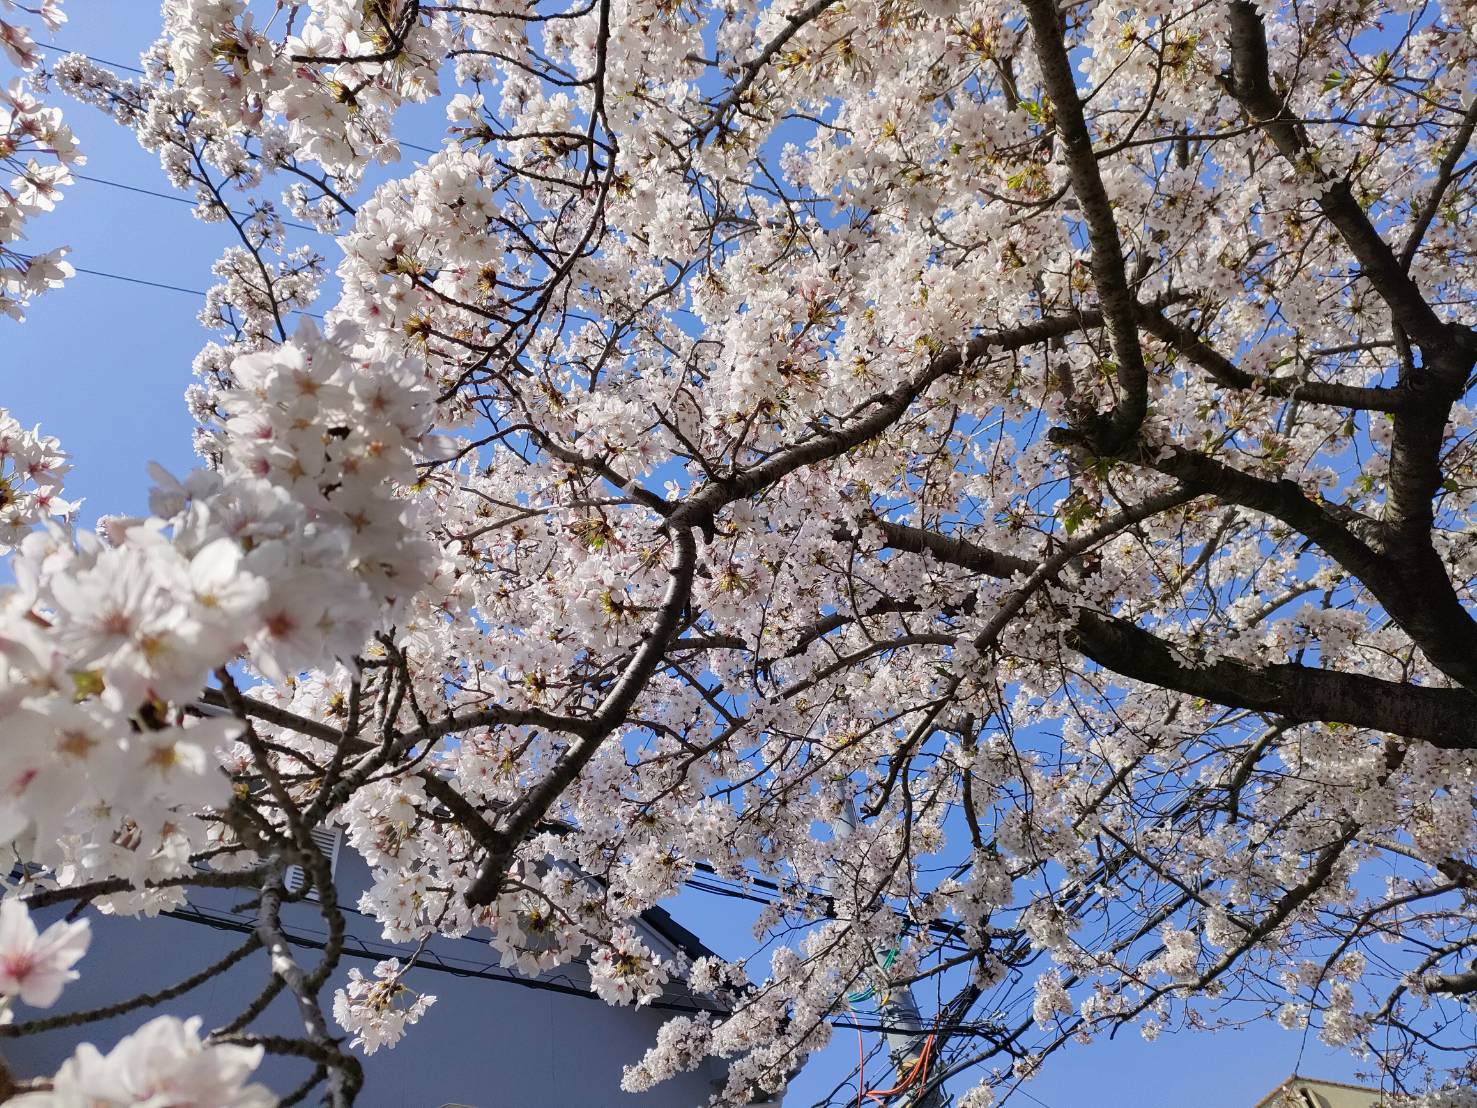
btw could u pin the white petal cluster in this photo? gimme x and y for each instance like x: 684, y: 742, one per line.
x: 625, y: 971
x: 325, y: 426
x: 164, y: 1062
x: 682, y: 1044
x: 96, y: 645
x: 811, y: 285
x: 530, y: 935
x: 336, y: 81
x: 1051, y: 999
x: 377, y: 1010
x: 37, y: 154
x: 289, y: 555
x: 981, y: 1096
x: 32, y: 467
x: 35, y: 965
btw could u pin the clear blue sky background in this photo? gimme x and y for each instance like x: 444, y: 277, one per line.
x: 103, y: 364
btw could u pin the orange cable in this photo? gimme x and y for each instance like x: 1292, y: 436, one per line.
x: 920, y: 1064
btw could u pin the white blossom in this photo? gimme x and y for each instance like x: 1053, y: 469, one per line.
x: 163, y: 1062
x: 34, y: 966
x: 378, y: 1010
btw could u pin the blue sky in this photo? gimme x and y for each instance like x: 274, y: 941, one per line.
x: 103, y: 364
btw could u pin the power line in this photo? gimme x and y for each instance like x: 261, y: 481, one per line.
x: 161, y: 285
x: 136, y: 69
x: 89, y: 57
x: 135, y: 280
x: 355, y: 946
x: 177, y: 199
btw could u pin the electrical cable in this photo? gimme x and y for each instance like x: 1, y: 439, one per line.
x: 870, y: 991
x: 178, y: 199
x: 161, y: 285
x: 917, y: 1072
x: 432, y: 962
x: 89, y: 57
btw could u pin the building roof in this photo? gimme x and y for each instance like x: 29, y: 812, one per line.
x: 661, y: 921
x: 1365, y: 1096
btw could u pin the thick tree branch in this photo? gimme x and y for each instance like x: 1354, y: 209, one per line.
x: 1445, y: 718
x: 1109, y: 273
x: 534, y: 804
x: 1227, y: 373
x: 1451, y: 984
x: 1250, y: 82
x: 1411, y: 584
x: 699, y: 509
x: 1442, y: 717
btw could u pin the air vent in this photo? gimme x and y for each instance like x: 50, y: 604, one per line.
x: 327, y: 840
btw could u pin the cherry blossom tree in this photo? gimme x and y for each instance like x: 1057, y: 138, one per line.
x: 993, y: 482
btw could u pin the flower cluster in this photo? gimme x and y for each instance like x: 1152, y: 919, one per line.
x: 290, y: 555
x: 164, y: 1062
x: 832, y: 433
x: 681, y: 1045
x: 37, y: 153
x: 378, y: 1010
x: 35, y: 965
x: 325, y: 426
x: 1051, y: 999
x: 32, y: 467
x: 624, y: 971
x: 337, y: 80
x: 97, y: 644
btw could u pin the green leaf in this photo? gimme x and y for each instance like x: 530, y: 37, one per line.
x: 1077, y: 511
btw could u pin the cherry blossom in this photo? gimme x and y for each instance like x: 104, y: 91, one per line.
x: 378, y: 1011
x: 37, y: 154
x: 34, y: 966
x: 32, y: 468
x: 624, y: 971
x: 163, y: 1062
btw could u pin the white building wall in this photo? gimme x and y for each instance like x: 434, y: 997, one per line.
x: 485, y: 1043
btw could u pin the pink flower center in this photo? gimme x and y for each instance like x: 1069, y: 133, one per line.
x: 21, y: 780
x: 116, y: 623
x: 17, y: 966
x: 280, y: 625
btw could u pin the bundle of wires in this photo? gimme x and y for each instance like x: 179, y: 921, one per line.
x: 916, y: 1074
x: 853, y: 999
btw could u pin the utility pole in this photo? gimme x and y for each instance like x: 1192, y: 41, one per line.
x: 906, y: 1036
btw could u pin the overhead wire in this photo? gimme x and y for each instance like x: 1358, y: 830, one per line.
x: 89, y: 57
x: 356, y: 947
x: 135, y: 280
x: 161, y: 285
x: 710, y: 883
x: 178, y: 199
x: 1030, y: 1096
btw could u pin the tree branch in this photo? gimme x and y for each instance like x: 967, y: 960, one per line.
x: 1108, y: 270
x: 1443, y: 717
